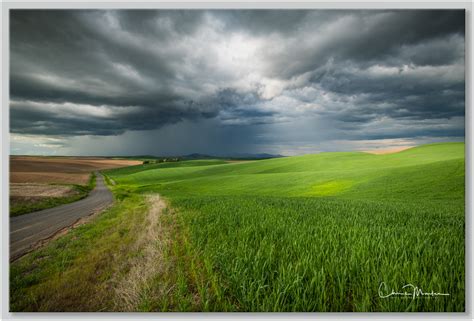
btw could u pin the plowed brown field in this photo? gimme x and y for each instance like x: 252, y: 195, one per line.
x: 60, y: 170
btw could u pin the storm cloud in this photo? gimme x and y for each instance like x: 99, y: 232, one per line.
x: 275, y: 80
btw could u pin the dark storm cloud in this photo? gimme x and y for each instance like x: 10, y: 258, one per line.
x: 240, y: 108
x: 407, y: 93
x: 177, y: 22
x: 60, y: 119
x: 367, y: 37
x: 93, y: 72
x: 381, y: 37
x: 68, y: 57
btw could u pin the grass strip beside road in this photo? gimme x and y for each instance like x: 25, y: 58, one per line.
x: 77, y: 271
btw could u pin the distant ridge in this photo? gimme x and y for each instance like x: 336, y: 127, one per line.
x: 231, y: 156
x: 193, y: 156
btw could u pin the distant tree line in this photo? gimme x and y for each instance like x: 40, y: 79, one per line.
x: 162, y: 160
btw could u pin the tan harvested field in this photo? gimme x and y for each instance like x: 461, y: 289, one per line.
x: 40, y: 190
x: 388, y: 151
x: 32, y: 195
x: 239, y: 161
x: 60, y: 170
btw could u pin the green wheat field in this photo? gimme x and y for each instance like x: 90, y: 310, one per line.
x: 321, y: 232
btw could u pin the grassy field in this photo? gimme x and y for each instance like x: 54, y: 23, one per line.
x: 320, y: 232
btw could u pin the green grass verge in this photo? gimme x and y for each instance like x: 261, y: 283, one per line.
x: 24, y: 207
x: 77, y: 271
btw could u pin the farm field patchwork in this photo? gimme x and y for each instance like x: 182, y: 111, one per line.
x: 43, y: 182
x: 322, y: 232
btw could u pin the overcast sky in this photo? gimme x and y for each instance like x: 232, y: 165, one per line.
x: 169, y: 82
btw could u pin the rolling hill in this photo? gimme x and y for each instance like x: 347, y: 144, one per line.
x: 322, y: 232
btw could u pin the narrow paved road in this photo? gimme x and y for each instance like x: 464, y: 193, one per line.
x: 29, y: 229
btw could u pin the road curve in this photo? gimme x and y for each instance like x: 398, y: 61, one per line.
x: 28, y: 230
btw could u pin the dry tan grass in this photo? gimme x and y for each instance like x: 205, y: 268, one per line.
x: 151, y: 245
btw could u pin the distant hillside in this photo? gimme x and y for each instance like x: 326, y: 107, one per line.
x: 434, y: 171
